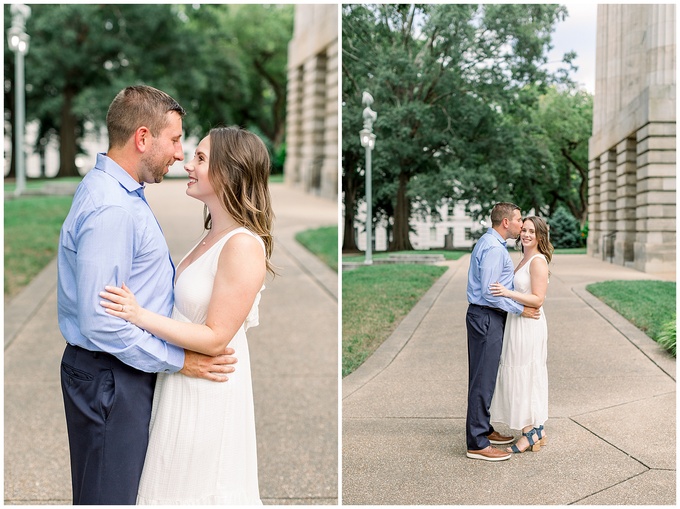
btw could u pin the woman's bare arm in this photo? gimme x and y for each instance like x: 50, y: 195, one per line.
x: 539, y: 286
x: 240, y: 273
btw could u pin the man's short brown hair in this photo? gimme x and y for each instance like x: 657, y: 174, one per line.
x: 138, y: 106
x: 501, y: 211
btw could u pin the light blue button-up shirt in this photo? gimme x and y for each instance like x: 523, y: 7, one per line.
x: 491, y: 263
x: 110, y: 237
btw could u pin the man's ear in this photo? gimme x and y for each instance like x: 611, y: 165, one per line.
x: 142, y: 135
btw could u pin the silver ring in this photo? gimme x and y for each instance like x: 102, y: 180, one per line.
x: 122, y: 308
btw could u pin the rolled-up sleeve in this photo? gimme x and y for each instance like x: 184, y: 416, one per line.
x: 104, y: 258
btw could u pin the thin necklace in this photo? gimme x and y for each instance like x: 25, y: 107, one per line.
x: 221, y: 231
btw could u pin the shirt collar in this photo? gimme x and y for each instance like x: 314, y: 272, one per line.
x: 500, y: 239
x: 110, y: 167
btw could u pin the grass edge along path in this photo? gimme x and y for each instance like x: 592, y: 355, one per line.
x: 322, y: 242
x: 375, y: 299
x: 650, y: 305
x: 32, y: 226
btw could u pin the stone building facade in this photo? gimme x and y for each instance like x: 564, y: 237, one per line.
x: 312, y: 109
x: 632, y: 173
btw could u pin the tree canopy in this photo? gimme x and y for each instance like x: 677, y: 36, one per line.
x: 457, y: 90
x: 226, y: 64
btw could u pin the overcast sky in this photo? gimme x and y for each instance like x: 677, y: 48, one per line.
x: 577, y: 33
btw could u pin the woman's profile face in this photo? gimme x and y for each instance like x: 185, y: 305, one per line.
x: 199, y: 185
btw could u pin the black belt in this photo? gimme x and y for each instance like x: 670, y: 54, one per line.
x: 497, y: 310
x: 95, y: 355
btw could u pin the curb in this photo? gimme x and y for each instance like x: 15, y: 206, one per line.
x: 647, y: 346
x: 24, y: 305
x: 390, y: 348
x: 307, y: 261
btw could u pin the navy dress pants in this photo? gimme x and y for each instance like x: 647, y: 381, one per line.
x: 485, y: 328
x: 108, y: 409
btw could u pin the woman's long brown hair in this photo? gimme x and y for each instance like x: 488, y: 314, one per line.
x: 239, y: 173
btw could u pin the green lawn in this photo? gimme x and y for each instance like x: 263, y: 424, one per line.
x: 649, y: 305
x: 375, y: 299
x: 32, y: 227
x: 573, y: 250
x: 448, y: 255
x: 33, y: 184
x: 323, y: 242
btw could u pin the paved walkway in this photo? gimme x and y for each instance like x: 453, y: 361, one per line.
x: 294, y: 358
x: 612, y: 427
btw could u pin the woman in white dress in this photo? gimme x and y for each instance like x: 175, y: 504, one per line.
x: 521, y: 397
x: 202, y: 447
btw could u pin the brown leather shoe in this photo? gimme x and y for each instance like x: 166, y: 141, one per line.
x: 497, y: 439
x: 489, y: 454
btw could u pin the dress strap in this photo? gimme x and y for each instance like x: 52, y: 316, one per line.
x: 528, y: 264
x: 241, y: 229
x: 537, y: 254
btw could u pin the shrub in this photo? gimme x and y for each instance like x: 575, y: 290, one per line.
x: 667, y: 336
x: 565, y: 230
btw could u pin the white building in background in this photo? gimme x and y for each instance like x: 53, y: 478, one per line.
x: 91, y: 144
x: 455, y: 230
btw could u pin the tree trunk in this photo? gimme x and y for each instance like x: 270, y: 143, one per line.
x: 12, y: 161
x: 279, y: 110
x: 275, y: 132
x: 9, y: 104
x: 67, y: 137
x: 579, y: 210
x: 349, y: 190
x: 402, y: 215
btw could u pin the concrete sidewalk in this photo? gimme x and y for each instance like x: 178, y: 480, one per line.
x: 294, y: 356
x: 612, y: 406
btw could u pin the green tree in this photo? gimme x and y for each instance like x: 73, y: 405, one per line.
x: 564, y: 118
x: 81, y: 55
x: 565, y: 230
x: 262, y: 35
x: 452, y: 86
x: 239, y: 69
x: 352, y: 168
x: 226, y: 64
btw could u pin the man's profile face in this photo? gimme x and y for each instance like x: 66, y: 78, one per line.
x: 165, y: 149
x: 515, y: 225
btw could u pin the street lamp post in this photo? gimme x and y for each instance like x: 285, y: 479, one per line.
x: 18, y: 43
x: 368, y: 142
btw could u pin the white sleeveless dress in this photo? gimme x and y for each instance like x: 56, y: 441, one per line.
x: 521, y: 395
x: 202, y: 447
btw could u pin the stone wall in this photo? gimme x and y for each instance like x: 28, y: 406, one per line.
x: 632, y: 182
x: 312, y: 109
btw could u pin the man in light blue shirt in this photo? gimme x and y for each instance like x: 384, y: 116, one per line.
x: 485, y: 320
x: 110, y: 237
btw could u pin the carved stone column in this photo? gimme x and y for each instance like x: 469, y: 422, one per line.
x: 632, y: 182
